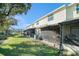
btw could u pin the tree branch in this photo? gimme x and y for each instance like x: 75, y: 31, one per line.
x: 9, y: 11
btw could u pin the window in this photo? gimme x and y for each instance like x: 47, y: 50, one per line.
x: 50, y: 17
x: 37, y: 23
x: 77, y: 8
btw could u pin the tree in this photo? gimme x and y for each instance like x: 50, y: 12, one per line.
x: 8, y: 10
x: 7, y: 22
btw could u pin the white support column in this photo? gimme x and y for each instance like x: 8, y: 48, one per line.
x: 37, y: 31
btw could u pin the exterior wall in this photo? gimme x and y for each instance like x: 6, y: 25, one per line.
x: 58, y: 17
x: 29, y: 27
x: 42, y: 22
x: 71, y: 12
x: 75, y: 14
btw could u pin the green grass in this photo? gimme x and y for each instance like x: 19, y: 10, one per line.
x: 15, y: 46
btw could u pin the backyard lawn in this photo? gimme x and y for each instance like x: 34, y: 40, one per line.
x: 20, y: 46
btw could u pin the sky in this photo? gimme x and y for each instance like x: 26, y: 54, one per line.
x: 37, y: 10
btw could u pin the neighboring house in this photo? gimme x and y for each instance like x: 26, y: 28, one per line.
x: 61, y: 22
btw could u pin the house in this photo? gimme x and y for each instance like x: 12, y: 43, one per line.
x: 55, y: 26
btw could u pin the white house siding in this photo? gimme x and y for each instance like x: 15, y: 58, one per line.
x: 75, y: 14
x: 42, y: 22
x: 29, y: 27
x: 71, y: 12
x: 58, y: 17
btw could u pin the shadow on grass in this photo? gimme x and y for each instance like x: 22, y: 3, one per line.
x: 21, y: 36
x: 18, y: 36
x: 26, y: 49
